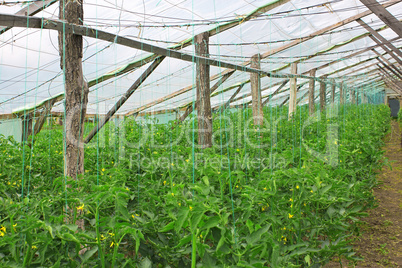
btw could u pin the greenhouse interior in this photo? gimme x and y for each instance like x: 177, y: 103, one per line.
x: 183, y: 133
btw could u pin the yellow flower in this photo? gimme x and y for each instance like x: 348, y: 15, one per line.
x: 14, y: 225
x: 172, y: 164
x: 297, y: 187
x: 1, y: 234
x: 111, y: 234
x: 136, y: 214
x: 191, y: 208
x: 81, y: 207
x: 102, y: 237
x: 127, y: 189
x: 290, y: 216
x: 3, y: 229
x: 265, y: 188
x: 179, y: 204
x: 111, y: 245
x: 187, y: 160
x: 172, y: 194
x: 103, y: 169
x: 164, y: 182
x: 238, y: 150
x: 291, y: 200
x: 312, y: 191
x: 133, y: 216
x: 34, y: 247
x: 263, y: 208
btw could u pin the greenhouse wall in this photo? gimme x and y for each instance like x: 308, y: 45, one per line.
x: 12, y: 127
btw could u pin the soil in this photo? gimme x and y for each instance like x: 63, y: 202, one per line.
x: 379, y: 243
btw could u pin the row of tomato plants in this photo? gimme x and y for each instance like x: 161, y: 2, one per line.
x: 282, y: 195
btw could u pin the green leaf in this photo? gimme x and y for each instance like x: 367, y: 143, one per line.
x: 325, y: 189
x: 212, y: 222
x: 145, y: 263
x: 72, y: 227
x: 254, y: 237
x: 205, y: 180
x: 308, y: 260
x: 196, y: 218
x: 221, y: 240
x: 184, y: 240
x: 168, y: 227
x: 89, y: 254
x: 70, y: 237
x: 330, y: 211
x: 250, y: 225
x: 181, y: 218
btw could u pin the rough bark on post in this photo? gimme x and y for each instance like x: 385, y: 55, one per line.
x: 311, y: 88
x: 76, y: 89
x: 333, y: 92
x: 293, y: 91
x: 323, y: 93
x: 204, y: 113
x: 255, y: 81
x: 341, y: 97
x: 26, y: 127
x: 352, y: 97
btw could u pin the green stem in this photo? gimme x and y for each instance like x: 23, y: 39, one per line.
x: 194, y: 251
x: 98, y: 236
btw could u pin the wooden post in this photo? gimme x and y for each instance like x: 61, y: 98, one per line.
x: 292, y: 91
x: 26, y: 127
x: 204, y: 112
x: 341, y: 97
x: 311, y: 89
x: 190, y: 106
x: 255, y: 81
x: 76, y: 89
x: 333, y: 92
x: 364, y: 98
x: 323, y: 93
x: 386, y: 99
x: 42, y: 117
x: 352, y: 96
x: 357, y: 97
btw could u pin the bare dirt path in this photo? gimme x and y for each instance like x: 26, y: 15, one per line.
x: 380, y: 239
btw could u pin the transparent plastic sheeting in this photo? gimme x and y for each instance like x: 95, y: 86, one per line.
x: 11, y: 127
x: 30, y: 63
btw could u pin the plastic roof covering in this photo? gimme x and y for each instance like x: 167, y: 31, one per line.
x: 30, y: 68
